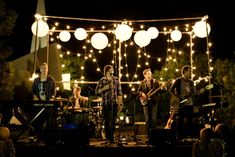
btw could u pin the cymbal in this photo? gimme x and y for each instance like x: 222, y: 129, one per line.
x: 97, y: 100
x: 97, y: 107
x: 71, y: 108
x: 80, y: 110
x: 61, y: 99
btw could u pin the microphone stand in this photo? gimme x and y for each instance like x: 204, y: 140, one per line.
x: 112, y: 107
x: 222, y: 88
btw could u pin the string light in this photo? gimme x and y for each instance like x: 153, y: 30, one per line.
x: 165, y: 31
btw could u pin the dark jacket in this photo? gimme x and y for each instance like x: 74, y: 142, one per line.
x: 145, y: 89
x: 177, y: 85
x: 50, y: 87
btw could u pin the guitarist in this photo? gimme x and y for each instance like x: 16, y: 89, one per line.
x: 184, y: 90
x: 150, y: 105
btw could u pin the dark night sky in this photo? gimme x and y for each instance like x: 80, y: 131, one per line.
x: 220, y: 12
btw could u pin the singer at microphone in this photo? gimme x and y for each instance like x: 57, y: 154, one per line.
x: 110, y: 90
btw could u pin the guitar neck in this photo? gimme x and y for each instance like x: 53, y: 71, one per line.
x: 153, y: 92
x: 208, y: 87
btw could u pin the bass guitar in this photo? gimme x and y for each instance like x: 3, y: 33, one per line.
x: 144, y: 100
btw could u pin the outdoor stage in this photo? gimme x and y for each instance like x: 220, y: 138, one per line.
x: 82, y: 134
x: 68, y: 143
x: 96, y: 147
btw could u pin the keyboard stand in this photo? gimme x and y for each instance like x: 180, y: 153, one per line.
x: 29, y: 125
x: 36, y: 116
x: 24, y: 119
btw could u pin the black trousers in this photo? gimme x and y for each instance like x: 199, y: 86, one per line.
x: 184, y: 122
x: 110, y: 113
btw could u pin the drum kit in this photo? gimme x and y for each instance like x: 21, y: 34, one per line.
x: 69, y: 116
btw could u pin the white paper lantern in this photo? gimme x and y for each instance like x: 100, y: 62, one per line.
x: 176, y: 35
x: 123, y: 32
x: 80, y: 34
x: 99, y: 41
x: 64, y: 36
x: 142, y: 38
x: 153, y: 32
x: 200, y: 30
x: 40, y: 28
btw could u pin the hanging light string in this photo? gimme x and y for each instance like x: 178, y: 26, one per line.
x: 122, y: 21
x: 106, y: 20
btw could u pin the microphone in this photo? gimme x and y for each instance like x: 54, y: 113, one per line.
x: 111, y: 83
x: 205, y: 18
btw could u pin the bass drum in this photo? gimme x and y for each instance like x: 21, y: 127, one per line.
x: 72, y: 119
x: 78, y: 117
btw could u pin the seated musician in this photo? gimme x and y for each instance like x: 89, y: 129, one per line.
x: 78, y: 101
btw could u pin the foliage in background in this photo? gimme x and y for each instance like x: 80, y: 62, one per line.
x: 168, y: 71
x: 73, y: 66
x: 224, y: 73
x: 201, y: 62
x: 7, y: 22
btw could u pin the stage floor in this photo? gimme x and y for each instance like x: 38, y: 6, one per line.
x: 127, y: 146
x: 128, y: 142
x: 97, y: 148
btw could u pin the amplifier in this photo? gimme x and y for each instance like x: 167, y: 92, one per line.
x: 140, y: 128
x: 162, y: 137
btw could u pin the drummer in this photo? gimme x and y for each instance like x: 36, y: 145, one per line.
x: 78, y: 101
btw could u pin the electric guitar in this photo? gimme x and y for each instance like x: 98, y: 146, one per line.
x: 177, y: 102
x: 144, y: 101
x: 170, y: 120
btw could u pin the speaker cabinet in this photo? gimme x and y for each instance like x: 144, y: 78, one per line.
x: 69, y: 136
x: 141, y: 133
x: 140, y: 128
x: 161, y: 137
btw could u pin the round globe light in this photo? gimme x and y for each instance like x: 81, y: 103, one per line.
x: 200, y: 29
x: 123, y: 32
x: 64, y: 36
x: 176, y: 35
x: 80, y: 34
x: 153, y: 32
x: 142, y: 38
x: 121, y: 117
x: 40, y: 28
x: 99, y: 41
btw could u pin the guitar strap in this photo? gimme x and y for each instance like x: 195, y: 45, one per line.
x: 149, y: 85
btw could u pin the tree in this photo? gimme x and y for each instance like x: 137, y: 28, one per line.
x: 73, y: 66
x: 7, y: 22
x: 224, y: 74
x: 169, y: 70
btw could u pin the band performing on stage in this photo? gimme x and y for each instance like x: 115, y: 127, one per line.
x: 104, y: 115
